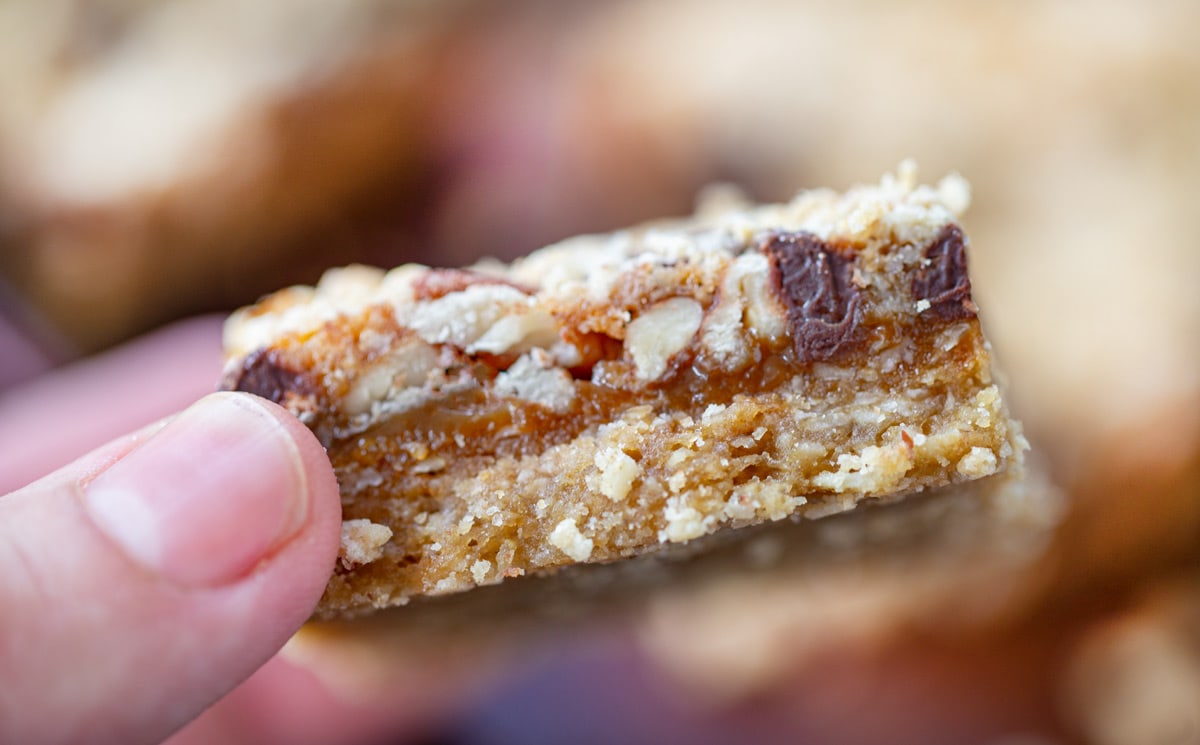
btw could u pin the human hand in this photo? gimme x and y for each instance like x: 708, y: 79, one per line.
x: 149, y: 577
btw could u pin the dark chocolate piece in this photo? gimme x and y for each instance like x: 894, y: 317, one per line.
x: 943, y: 280
x: 264, y: 374
x: 814, y: 281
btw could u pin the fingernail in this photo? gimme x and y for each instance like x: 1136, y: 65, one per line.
x: 208, y: 497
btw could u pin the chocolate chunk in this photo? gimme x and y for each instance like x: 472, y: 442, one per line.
x: 814, y: 281
x: 264, y: 374
x: 943, y: 280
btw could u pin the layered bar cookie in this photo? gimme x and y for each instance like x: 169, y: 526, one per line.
x: 612, y: 395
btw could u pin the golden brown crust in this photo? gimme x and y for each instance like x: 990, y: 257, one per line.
x: 613, y: 394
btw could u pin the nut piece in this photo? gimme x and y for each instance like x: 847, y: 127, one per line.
x: 661, y: 332
x: 745, y: 298
x: 533, y: 377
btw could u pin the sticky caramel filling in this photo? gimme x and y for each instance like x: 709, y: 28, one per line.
x: 477, y: 422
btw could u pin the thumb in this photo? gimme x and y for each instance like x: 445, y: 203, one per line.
x: 144, y: 581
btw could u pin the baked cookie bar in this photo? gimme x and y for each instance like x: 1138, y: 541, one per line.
x: 611, y: 395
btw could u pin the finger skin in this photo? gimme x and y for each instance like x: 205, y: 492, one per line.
x: 96, y: 648
x: 50, y: 421
x: 285, y: 704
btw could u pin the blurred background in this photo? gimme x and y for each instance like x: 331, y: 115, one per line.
x: 160, y: 160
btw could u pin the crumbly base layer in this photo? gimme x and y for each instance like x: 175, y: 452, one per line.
x: 909, y: 560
